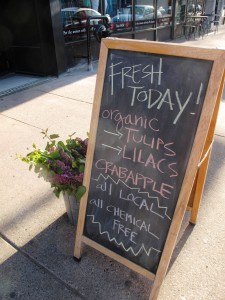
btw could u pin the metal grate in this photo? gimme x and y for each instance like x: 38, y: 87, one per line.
x: 13, y: 83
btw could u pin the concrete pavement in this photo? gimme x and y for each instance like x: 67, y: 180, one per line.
x: 36, y: 239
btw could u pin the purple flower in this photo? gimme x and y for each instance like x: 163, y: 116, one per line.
x: 85, y: 142
x: 60, y: 165
x: 62, y: 179
x: 65, y: 157
x: 79, y: 178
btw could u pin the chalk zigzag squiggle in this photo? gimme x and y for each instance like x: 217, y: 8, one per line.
x: 121, y: 243
x: 140, y: 192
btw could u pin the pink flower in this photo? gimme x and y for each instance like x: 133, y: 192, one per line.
x: 79, y: 178
x: 61, y: 179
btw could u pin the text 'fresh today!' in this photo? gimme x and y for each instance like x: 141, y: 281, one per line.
x: 138, y: 73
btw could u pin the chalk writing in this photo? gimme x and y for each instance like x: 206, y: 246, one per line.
x: 147, y: 122
x: 137, y: 75
x: 129, y: 119
x: 134, y: 72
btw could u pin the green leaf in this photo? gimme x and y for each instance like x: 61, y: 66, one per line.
x: 81, y: 168
x: 53, y: 136
x: 70, y: 135
x: 43, y: 131
x: 34, y: 146
x: 54, y: 155
x: 74, y: 164
x: 61, y: 145
x: 82, y: 160
x: 75, y: 153
x: 37, y: 169
x: 56, y: 192
x: 80, y: 192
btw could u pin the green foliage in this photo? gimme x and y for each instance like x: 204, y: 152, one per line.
x: 60, y: 163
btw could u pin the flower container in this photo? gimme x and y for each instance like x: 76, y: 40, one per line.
x: 72, y: 207
x: 61, y: 163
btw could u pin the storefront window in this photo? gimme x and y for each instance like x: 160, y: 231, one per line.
x: 120, y: 13
x: 74, y: 16
x: 123, y: 16
x: 188, y: 8
x: 164, y: 12
x: 144, y: 14
x: 194, y: 8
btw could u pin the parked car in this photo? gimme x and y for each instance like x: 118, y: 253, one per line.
x: 146, y: 12
x: 122, y: 18
x: 74, y: 21
x: 74, y: 16
x: 142, y: 12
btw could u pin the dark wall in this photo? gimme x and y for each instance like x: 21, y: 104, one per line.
x: 55, y: 10
x: 28, y: 38
x: 18, y: 28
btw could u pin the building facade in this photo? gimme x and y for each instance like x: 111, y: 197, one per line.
x: 46, y: 37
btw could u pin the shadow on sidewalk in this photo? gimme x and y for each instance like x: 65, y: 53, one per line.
x: 45, y: 266
x: 46, y: 85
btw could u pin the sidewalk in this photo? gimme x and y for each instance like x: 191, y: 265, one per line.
x: 36, y: 239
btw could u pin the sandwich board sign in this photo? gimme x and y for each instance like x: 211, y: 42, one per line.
x: 152, y: 126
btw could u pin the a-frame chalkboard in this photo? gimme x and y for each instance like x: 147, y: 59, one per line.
x: 153, y: 117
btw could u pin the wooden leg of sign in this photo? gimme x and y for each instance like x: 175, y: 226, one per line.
x: 195, y: 199
x: 79, y: 231
x: 76, y: 259
x: 78, y: 241
x: 77, y: 249
x: 192, y: 195
x: 200, y: 181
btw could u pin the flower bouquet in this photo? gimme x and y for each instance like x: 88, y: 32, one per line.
x: 60, y: 163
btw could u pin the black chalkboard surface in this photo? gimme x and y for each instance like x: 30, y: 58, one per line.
x: 148, y: 117
x: 151, y: 134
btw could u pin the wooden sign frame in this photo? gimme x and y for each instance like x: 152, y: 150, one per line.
x: 197, y: 189
x: 195, y: 174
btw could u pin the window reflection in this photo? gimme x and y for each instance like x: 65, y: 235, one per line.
x: 188, y: 8
x: 74, y: 16
x: 164, y: 12
x: 123, y: 16
x: 143, y: 15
